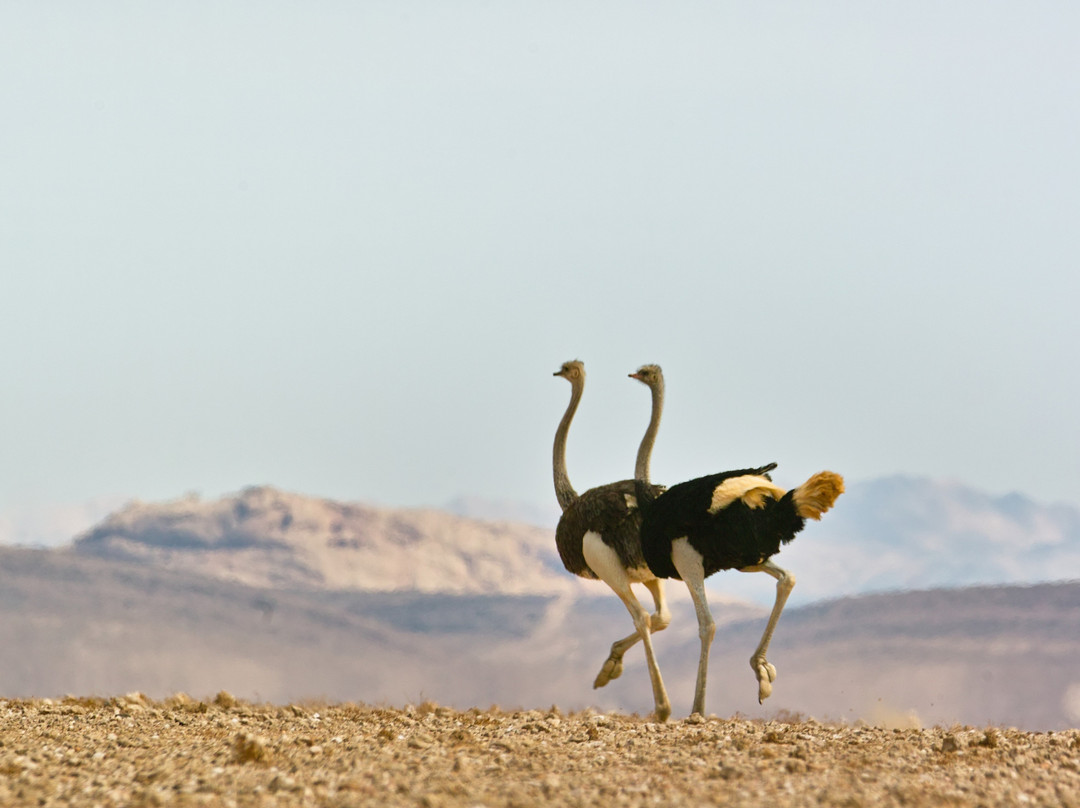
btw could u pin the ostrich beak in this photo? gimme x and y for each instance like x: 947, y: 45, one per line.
x: 634, y: 376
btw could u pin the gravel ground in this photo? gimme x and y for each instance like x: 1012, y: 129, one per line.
x: 223, y: 752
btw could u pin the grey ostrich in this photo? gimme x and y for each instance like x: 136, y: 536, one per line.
x: 731, y: 520
x: 598, y: 537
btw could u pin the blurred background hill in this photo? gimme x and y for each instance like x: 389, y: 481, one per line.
x: 278, y: 596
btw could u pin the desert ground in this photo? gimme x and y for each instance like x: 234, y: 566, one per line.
x: 133, y: 751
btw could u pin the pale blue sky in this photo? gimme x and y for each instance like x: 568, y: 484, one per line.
x: 341, y: 247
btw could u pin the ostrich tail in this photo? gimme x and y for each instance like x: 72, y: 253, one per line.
x: 817, y: 495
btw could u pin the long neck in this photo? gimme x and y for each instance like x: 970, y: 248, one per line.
x: 641, y: 467
x: 565, y: 492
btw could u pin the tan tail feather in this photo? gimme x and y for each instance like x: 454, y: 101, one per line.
x: 817, y: 495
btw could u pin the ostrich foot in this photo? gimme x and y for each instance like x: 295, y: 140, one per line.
x: 766, y: 675
x: 663, y: 713
x: 612, y: 669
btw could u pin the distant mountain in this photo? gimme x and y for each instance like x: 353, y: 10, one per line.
x: 896, y: 533
x: 278, y: 596
x: 889, y: 534
x: 72, y: 623
x: 270, y: 538
x: 1007, y: 655
x: 899, y: 533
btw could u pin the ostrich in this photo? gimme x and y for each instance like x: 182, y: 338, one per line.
x: 731, y: 520
x: 598, y: 537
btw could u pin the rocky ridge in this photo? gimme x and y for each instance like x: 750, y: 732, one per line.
x: 270, y: 538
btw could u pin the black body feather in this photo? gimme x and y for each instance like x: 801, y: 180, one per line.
x: 603, y: 510
x: 734, y: 537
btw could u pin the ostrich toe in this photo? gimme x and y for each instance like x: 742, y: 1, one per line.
x: 766, y: 675
x: 612, y: 669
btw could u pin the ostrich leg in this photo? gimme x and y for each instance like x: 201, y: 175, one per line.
x: 763, y: 669
x: 658, y: 621
x: 691, y: 568
x: 605, y: 563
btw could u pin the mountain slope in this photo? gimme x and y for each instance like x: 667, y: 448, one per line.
x: 266, y: 537
x: 888, y: 534
x: 900, y: 533
x: 91, y: 626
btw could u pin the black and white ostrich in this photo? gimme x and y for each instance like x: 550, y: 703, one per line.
x: 598, y: 537
x: 731, y: 520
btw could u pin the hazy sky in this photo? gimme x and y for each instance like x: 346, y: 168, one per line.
x: 341, y: 247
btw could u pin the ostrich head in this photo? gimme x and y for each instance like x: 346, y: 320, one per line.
x: 572, y: 371
x: 649, y: 375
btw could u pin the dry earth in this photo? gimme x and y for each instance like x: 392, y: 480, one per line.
x: 223, y: 752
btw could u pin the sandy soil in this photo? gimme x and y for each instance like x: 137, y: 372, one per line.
x: 221, y: 752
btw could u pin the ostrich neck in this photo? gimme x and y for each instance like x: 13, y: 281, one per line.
x: 641, y: 468
x: 565, y: 492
